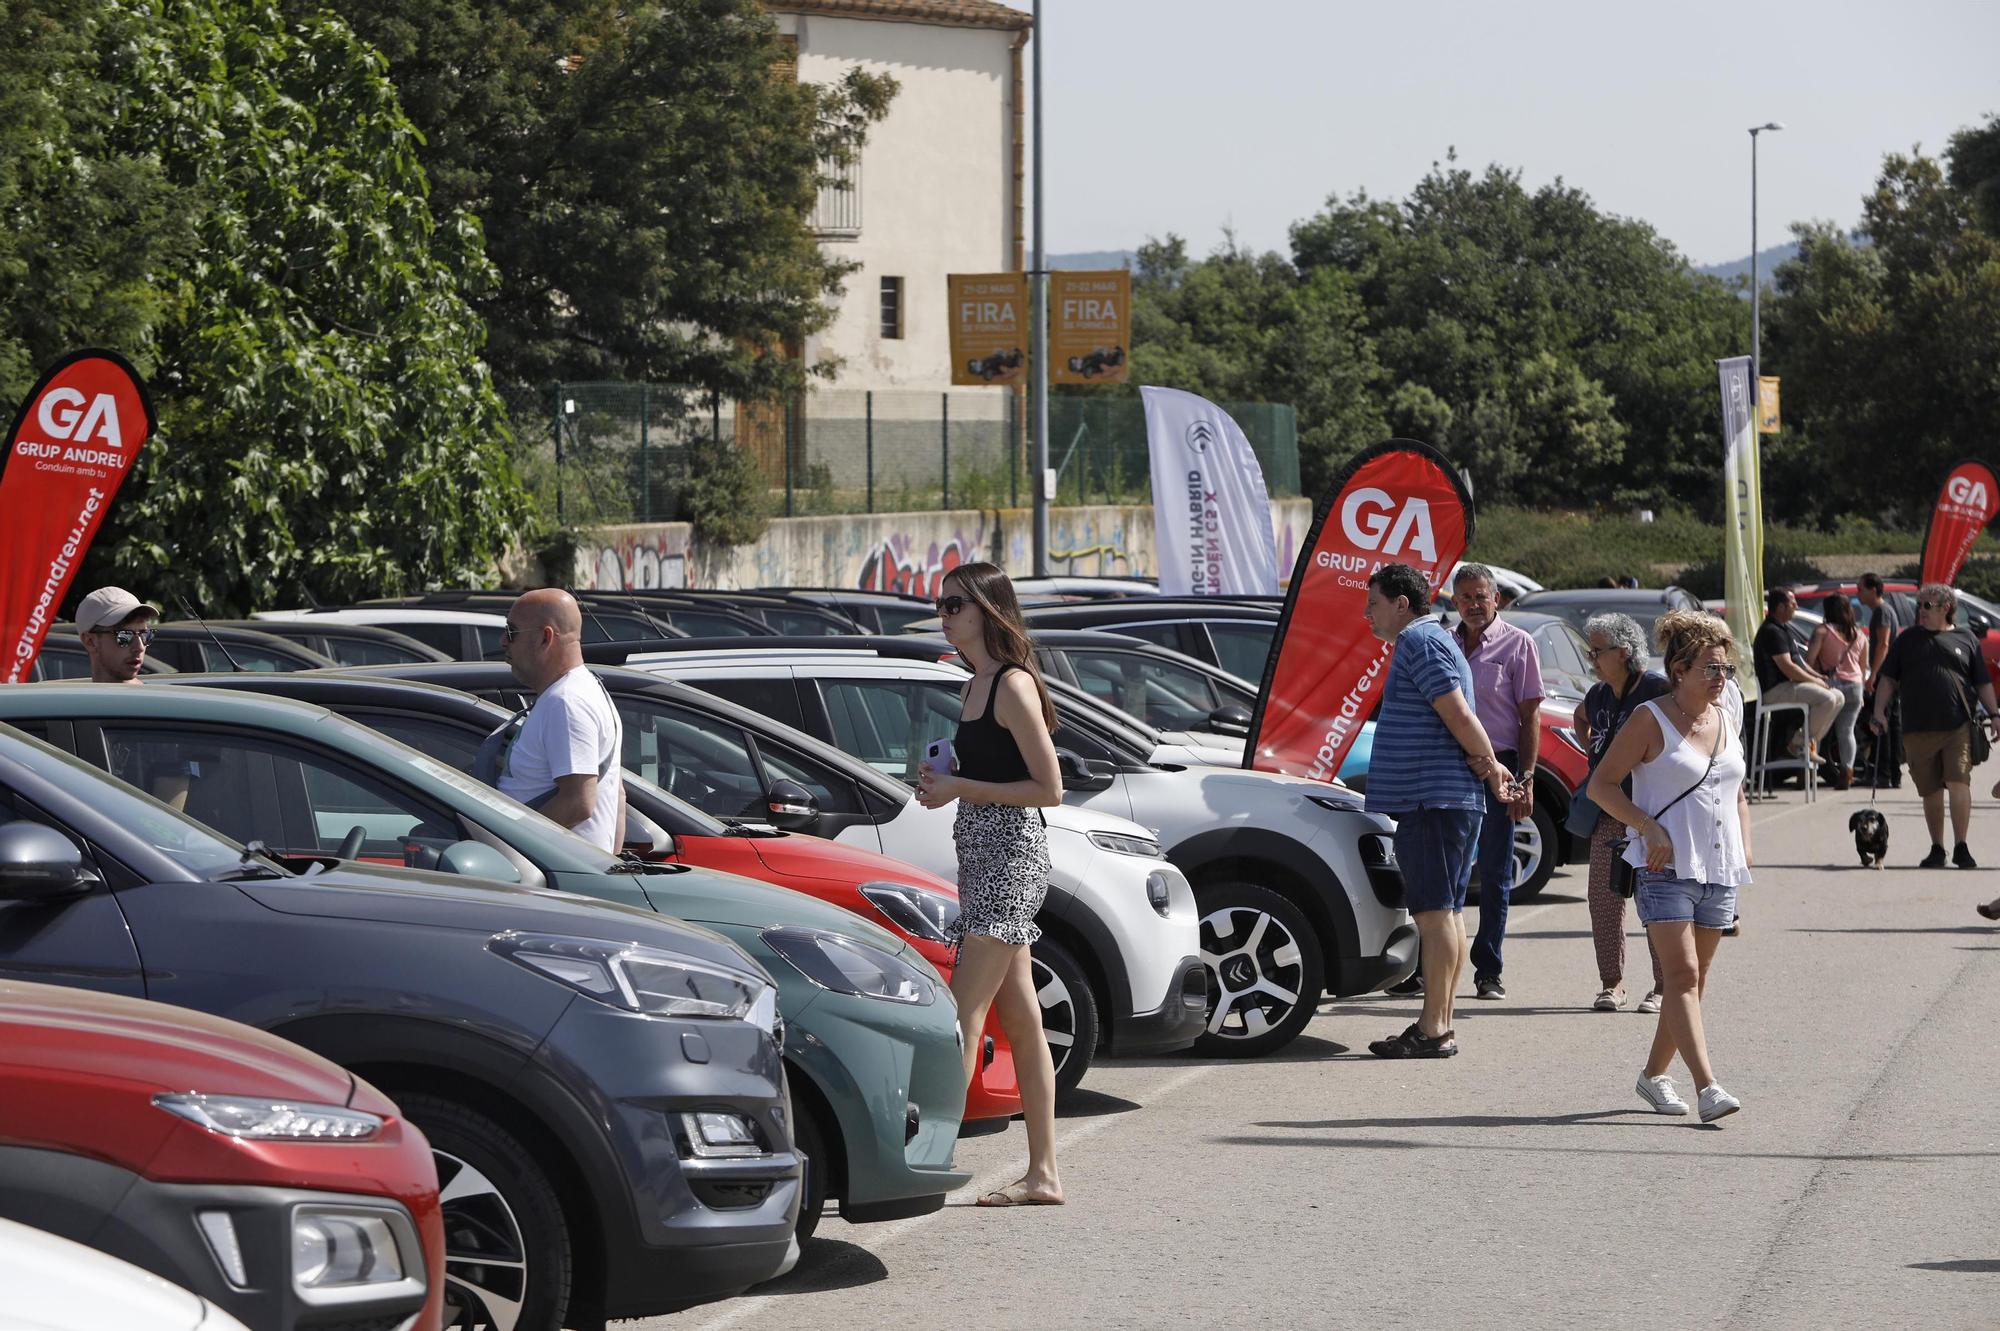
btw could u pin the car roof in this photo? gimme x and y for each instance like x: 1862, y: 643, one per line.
x: 390, y: 614
x: 323, y: 687
x: 1595, y: 595
x: 901, y: 646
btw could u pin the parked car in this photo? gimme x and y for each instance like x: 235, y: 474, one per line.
x: 1233, y: 634
x: 607, y: 621
x: 63, y: 657
x: 777, y: 612
x: 871, y: 611
x: 452, y: 726
x: 463, y: 635
x: 1296, y: 887
x: 53, y: 1284
x: 187, y: 645
x: 351, y: 644
x: 238, y: 1165
x: 1578, y: 604
x: 869, y: 1028
x: 1165, y: 688
x: 603, y: 1088
x: 1977, y: 615
x: 1119, y: 957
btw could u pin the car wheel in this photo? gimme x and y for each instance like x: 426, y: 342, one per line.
x: 507, y: 1261
x: 1069, y: 1011
x: 1265, y: 970
x: 812, y: 1143
x: 1535, y: 843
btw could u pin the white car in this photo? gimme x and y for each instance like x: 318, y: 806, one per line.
x: 1297, y: 887
x: 463, y: 635
x: 53, y: 1284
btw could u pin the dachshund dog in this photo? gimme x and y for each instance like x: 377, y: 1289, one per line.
x: 1871, y: 837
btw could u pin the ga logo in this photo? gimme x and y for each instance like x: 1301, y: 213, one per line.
x: 1965, y: 490
x: 63, y: 414
x: 1366, y: 517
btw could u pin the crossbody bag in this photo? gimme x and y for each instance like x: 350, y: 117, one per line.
x: 1625, y: 874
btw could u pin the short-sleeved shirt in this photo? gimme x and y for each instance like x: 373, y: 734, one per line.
x: 1773, y: 640
x: 1937, y: 676
x: 1417, y: 763
x: 1506, y: 672
x: 573, y: 730
x: 1885, y: 621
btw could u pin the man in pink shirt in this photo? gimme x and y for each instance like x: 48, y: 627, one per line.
x: 1507, y: 698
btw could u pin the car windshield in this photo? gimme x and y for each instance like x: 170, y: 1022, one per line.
x: 1645, y: 612
x: 203, y: 853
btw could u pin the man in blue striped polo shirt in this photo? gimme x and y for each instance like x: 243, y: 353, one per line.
x: 1431, y: 757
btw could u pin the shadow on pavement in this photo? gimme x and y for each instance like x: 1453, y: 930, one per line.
x: 1086, y: 1103
x: 827, y: 1264
x: 1639, y: 1118
x: 1976, y: 1265
x: 1462, y: 1121
x: 1548, y: 933
x: 1302, y: 1049
x: 1936, y: 929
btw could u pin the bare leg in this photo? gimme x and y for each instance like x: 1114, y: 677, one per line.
x: 1961, y: 809
x: 1680, y: 1030
x: 982, y: 966
x: 1441, y: 949
x: 1021, y: 1018
x: 1934, y: 816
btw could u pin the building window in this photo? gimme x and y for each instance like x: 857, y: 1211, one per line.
x: 892, y: 307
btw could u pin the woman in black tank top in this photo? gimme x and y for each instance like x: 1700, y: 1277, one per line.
x: 1005, y: 773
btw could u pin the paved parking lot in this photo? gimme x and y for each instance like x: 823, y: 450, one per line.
x: 1523, y: 1183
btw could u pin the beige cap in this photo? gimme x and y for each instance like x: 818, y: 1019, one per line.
x: 109, y: 606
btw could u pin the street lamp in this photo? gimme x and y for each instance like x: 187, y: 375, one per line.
x: 1756, y: 293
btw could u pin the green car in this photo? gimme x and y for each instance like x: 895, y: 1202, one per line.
x: 871, y: 1032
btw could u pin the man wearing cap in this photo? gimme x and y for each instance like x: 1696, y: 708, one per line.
x: 115, y: 626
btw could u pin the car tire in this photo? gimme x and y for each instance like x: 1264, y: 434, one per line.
x: 810, y: 1141
x: 1069, y: 1011
x: 508, y: 1262
x: 1266, y: 970
x: 1536, y: 845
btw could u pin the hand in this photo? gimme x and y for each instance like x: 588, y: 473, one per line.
x: 1877, y: 724
x: 936, y: 789
x: 1521, y: 805
x: 1659, y: 846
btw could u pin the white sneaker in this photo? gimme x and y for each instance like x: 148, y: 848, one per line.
x: 1659, y: 1092
x: 1650, y: 1003
x: 1717, y: 1103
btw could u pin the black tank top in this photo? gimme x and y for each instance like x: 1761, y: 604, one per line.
x: 986, y: 749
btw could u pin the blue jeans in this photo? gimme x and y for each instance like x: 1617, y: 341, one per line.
x: 1496, y: 883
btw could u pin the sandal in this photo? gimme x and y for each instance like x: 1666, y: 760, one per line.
x: 1608, y: 1000
x: 1413, y: 1043
x: 1990, y: 909
x: 1015, y: 1194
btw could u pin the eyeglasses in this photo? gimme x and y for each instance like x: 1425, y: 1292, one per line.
x: 509, y: 633
x: 1591, y: 654
x: 1719, y: 670
x: 1934, y: 605
x: 126, y: 637
x: 948, y: 606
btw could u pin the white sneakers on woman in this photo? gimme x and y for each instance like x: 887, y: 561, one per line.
x: 1659, y: 1092
x: 1717, y: 1103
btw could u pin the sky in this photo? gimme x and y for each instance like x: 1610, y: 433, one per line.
x: 1192, y: 116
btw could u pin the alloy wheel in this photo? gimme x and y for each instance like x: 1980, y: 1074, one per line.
x: 1528, y: 850
x: 1255, y: 970
x: 1058, y: 1013
x: 485, y: 1259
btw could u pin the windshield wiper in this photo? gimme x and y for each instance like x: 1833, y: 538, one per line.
x: 257, y: 862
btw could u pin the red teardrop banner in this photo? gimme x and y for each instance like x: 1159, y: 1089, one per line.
x: 1968, y: 501
x: 71, y: 446
x: 1398, y: 502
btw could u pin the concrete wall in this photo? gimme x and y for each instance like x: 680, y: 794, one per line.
x: 894, y: 551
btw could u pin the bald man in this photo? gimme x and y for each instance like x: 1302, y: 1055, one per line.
x: 565, y: 761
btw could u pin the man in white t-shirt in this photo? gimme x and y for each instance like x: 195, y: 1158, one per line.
x: 565, y: 761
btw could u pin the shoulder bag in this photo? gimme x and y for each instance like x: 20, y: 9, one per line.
x: 1581, y: 819
x: 1624, y: 874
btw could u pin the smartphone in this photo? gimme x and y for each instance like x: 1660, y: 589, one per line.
x: 939, y: 755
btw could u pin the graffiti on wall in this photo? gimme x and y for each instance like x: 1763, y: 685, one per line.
x: 898, y: 565
x: 639, y: 563
x: 1104, y: 560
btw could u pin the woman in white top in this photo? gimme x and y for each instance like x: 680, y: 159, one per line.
x: 1684, y: 753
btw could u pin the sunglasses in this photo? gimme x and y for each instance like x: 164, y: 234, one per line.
x: 1593, y: 653
x: 948, y: 606
x: 126, y: 637
x: 1934, y: 605
x: 1719, y: 670
x: 509, y: 633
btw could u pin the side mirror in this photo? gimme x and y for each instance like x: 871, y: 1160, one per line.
x: 1230, y: 719
x: 476, y: 859
x: 38, y: 863
x: 791, y: 806
x: 1080, y: 774
x: 646, y: 838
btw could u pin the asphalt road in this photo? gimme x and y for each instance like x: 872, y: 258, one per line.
x: 1523, y: 1183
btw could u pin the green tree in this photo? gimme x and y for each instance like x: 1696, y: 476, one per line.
x: 644, y: 175
x: 326, y: 425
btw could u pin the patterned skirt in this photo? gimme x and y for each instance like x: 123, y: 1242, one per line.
x: 1003, y: 871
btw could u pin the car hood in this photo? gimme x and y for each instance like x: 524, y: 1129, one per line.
x: 152, y: 1045
x: 445, y: 901
x: 53, y: 1284
x: 792, y: 855
x: 1071, y: 818
x: 710, y: 896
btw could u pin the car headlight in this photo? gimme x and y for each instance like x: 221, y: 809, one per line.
x: 1337, y: 803
x: 915, y: 910
x: 253, y: 1118
x: 1567, y: 735
x: 642, y: 979
x: 848, y: 966
x: 1120, y: 844
x: 332, y: 1248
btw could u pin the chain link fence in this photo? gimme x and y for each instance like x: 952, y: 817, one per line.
x: 604, y: 453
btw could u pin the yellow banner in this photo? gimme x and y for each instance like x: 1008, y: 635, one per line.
x: 989, y: 327
x: 1090, y: 327
x: 1767, y: 404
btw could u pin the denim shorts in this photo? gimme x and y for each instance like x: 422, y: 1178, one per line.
x: 1436, y: 849
x: 1665, y: 899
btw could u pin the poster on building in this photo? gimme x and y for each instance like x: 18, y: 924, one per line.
x: 1767, y: 404
x: 1089, y: 327
x: 989, y: 327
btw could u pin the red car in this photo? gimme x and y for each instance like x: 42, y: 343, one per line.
x: 229, y: 1161
x: 1977, y: 616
